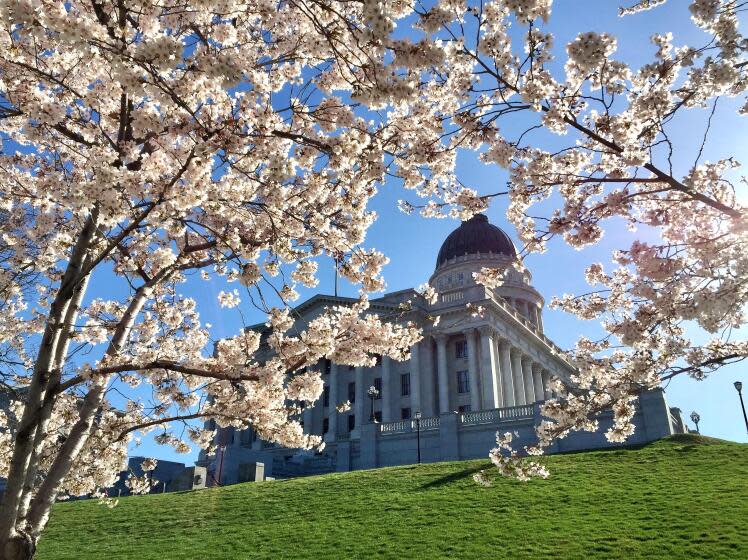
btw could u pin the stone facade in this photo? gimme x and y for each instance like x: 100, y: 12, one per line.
x: 468, y: 378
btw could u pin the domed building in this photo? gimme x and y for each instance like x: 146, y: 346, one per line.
x: 470, y: 376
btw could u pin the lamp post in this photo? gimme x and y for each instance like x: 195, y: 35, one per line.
x: 417, y: 416
x: 695, y: 418
x: 373, y: 394
x: 739, y: 387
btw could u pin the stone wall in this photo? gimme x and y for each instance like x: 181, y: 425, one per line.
x: 448, y: 437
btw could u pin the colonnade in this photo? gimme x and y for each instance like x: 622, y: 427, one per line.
x: 500, y: 375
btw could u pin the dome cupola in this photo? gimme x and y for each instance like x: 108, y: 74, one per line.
x: 475, y: 236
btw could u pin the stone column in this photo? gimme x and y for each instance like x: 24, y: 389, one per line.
x: 441, y: 366
x: 332, y: 413
x: 519, y: 385
x: 307, y: 417
x: 507, y: 382
x: 534, y: 314
x: 491, y: 395
x: 540, y: 318
x: 546, y: 384
x: 537, y: 381
x: 518, y: 306
x: 428, y: 379
x: 386, y: 395
x: 527, y: 376
x: 415, y: 378
x: 360, y: 398
x: 524, y: 309
x: 473, y: 371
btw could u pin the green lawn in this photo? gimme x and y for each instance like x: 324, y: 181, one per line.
x: 685, y: 497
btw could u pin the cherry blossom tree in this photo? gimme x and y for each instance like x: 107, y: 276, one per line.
x: 596, y: 143
x: 157, y: 142
x: 150, y: 143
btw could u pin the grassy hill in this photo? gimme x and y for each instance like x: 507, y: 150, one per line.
x: 684, y: 497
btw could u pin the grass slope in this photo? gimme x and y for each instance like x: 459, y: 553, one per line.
x: 684, y: 497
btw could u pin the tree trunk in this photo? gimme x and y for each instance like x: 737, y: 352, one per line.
x: 41, y: 503
x: 68, y: 328
x: 20, y: 546
x: 26, y: 434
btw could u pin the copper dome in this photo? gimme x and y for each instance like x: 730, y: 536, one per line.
x: 474, y: 236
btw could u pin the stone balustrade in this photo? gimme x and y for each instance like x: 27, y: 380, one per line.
x: 480, y: 417
x: 394, y: 427
x: 403, y: 426
x: 429, y: 423
x: 493, y: 416
x: 497, y: 415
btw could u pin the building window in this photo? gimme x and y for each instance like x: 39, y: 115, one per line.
x: 351, y: 368
x: 461, y: 349
x: 460, y: 278
x: 351, y: 422
x: 378, y: 416
x: 326, y: 396
x: 378, y: 387
x: 325, y: 425
x: 405, y: 384
x: 463, y: 382
x: 245, y: 437
x: 352, y: 391
x: 327, y: 365
x: 378, y: 359
x: 405, y: 413
x: 464, y: 408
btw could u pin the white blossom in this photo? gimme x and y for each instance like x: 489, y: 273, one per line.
x: 229, y: 299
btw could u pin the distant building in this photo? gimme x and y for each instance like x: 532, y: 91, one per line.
x: 468, y: 378
x: 168, y: 476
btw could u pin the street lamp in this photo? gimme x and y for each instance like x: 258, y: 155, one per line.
x: 417, y: 416
x: 695, y: 418
x: 739, y: 387
x: 373, y: 394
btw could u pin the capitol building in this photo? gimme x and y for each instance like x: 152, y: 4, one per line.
x: 469, y: 377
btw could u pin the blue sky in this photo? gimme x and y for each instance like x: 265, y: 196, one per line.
x: 412, y: 242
